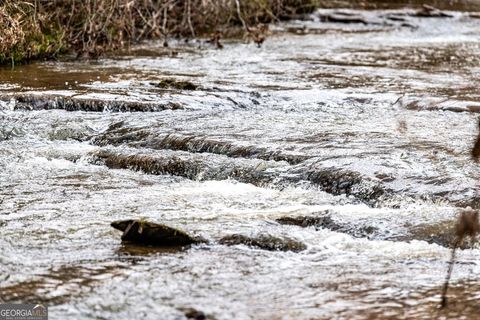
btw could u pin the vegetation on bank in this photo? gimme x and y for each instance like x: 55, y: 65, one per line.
x: 36, y: 29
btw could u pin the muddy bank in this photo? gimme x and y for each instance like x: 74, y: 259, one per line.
x: 46, y: 30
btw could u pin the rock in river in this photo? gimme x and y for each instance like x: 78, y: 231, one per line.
x: 265, y: 242
x: 148, y: 233
x: 175, y: 84
x: 154, y: 234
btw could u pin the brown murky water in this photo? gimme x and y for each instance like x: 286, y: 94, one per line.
x: 351, y: 138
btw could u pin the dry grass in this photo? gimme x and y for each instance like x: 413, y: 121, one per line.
x: 44, y: 28
x: 27, y: 33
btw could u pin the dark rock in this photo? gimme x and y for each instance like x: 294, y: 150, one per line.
x: 191, y: 313
x: 149, y: 233
x: 431, y: 12
x: 205, y: 167
x: 198, y: 168
x: 443, y: 233
x: 474, y: 15
x: 324, y: 221
x: 147, y: 138
x: 344, y: 17
x: 49, y: 102
x: 265, y: 242
x: 174, y: 84
x: 347, y: 182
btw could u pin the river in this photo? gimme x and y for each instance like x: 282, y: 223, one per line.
x: 368, y: 124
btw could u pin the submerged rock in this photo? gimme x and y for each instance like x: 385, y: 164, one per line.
x: 265, y: 242
x: 191, y: 313
x: 324, y: 221
x: 154, y: 234
x: 428, y: 11
x: 147, y: 138
x: 200, y: 167
x: 174, y: 84
x: 336, y: 182
x: 49, y: 102
x: 443, y: 233
x: 345, y: 17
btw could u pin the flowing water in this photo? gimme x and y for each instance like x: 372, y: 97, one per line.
x: 366, y: 127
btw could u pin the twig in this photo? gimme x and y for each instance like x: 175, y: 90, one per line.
x: 443, y: 304
x: 239, y: 13
x: 476, y: 146
x: 189, y: 18
x: 398, y: 100
x: 467, y: 226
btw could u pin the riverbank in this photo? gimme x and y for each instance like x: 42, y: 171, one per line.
x: 37, y: 29
x: 40, y: 29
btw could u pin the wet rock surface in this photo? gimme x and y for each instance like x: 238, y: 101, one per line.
x: 175, y: 84
x: 195, y: 314
x: 428, y: 11
x: 259, y: 173
x: 201, y: 168
x: 149, y: 233
x: 144, y: 138
x: 344, y: 182
x: 29, y: 102
x: 323, y: 220
x: 326, y: 221
x: 159, y: 235
x: 439, y: 233
x: 264, y: 242
x: 442, y: 233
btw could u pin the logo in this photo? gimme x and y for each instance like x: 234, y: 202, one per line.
x: 11, y: 311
